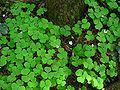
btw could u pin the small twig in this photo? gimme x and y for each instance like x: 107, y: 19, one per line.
x: 31, y: 1
x: 41, y: 3
x: 25, y: 1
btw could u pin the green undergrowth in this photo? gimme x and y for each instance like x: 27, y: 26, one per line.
x: 35, y: 59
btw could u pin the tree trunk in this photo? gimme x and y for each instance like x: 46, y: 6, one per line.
x: 62, y: 12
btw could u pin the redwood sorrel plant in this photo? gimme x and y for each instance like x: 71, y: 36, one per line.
x: 33, y: 54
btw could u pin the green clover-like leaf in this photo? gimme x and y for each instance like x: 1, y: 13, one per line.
x: 25, y: 71
x: 41, y: 11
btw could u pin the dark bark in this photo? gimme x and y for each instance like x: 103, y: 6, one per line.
x: 63, y: 12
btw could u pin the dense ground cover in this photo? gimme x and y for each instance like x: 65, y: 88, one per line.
x: 36, y: 54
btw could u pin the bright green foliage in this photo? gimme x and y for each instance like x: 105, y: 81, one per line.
x: 98, y: 82
x: 89, y: 36
x: 61, y: 82
x: 86, y: 50
x: 91, y: 13
x: 54, y: 29
x: 89, y: 50
x: 47, y: 69
x: 98, y: 15
x: 80, y: 77
x: 3, y: 61
x: 98, y: 24
x: 62, y: 53
x: 41, y: 11
x: 41, y: 52
x: 112, y: 71
x: 11, y: 78
x: 54, y: 42
x: 78, y: 50
x: 101, y: 36
x: 25, y: 78
x: 44, y: 75
x: 75, y: 61
x: 3, y: 40
x: 104, y: 58
x: 65, y: 30
x: 105, y: 35
x: 21, y: 88
x: 19, y: 82
x: 36, y: 58
x: 45, y: 84
x: 5, y: 51
x: 102, y: 71
x: 77, y: 28
x: 113, y: 24
x: 102, y: 47
x: 79, y: 72
x: 42, y: 84
x: 48, y: 83
x: 38, y: 70
x: 33, y: 43
x: 88, y: 63
x: 85, y: 24
x: 25, y: 71
x: 83, y: 88
x: 119, y: 9
x: 14, y: 86
x: 43, y: 37
x: 31, y: 84
x: 118, y: 43
x: 83, y: 75
x: 70, y: 88
x: 112, y: 4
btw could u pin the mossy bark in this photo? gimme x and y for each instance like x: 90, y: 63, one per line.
x: 62, y: 12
